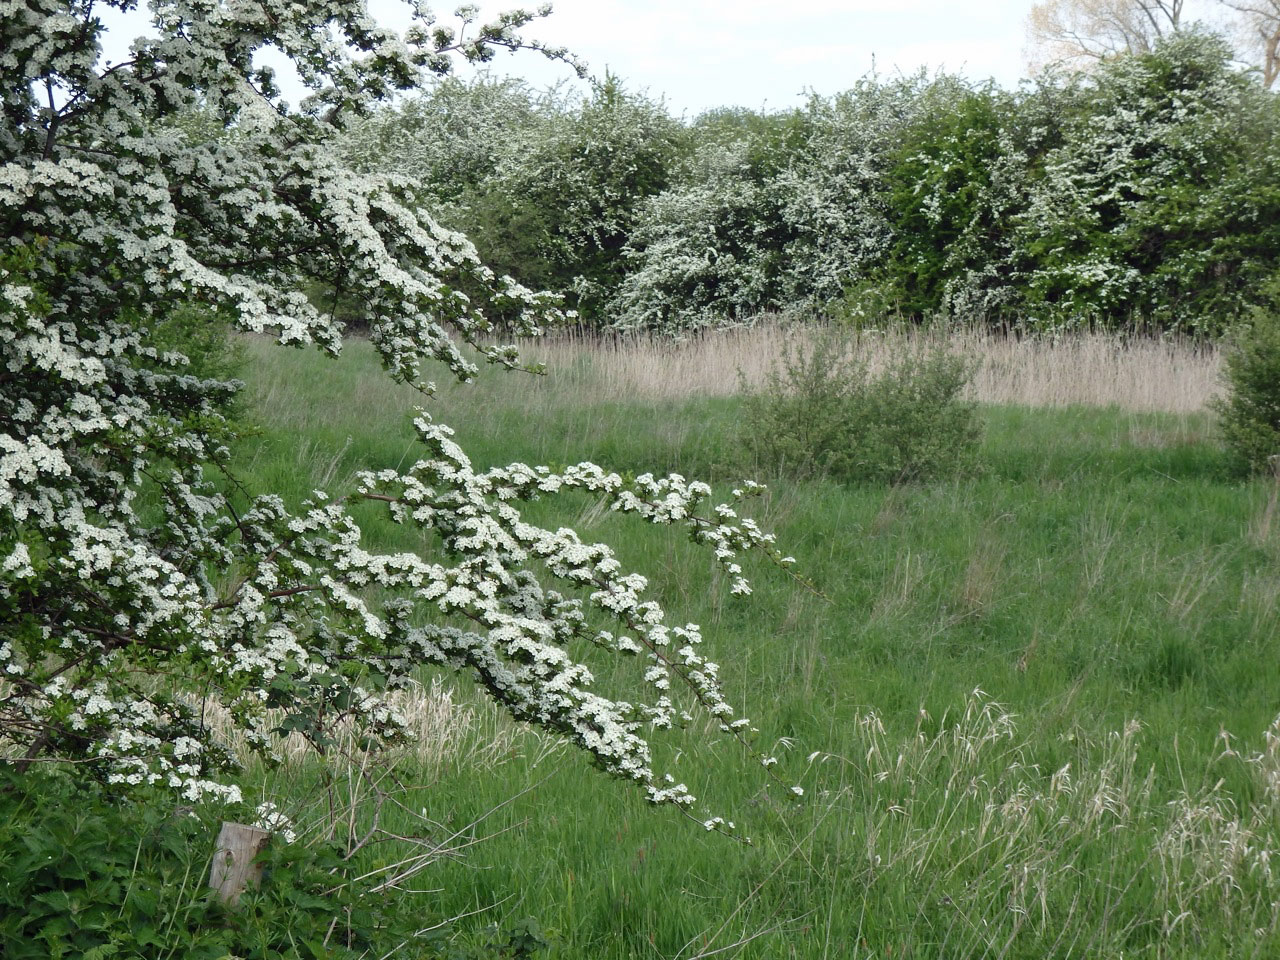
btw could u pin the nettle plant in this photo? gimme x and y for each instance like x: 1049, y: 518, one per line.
x: 140, y: 588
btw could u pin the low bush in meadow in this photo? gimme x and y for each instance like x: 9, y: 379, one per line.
x: 1250, y: 412
x: 825, y: 410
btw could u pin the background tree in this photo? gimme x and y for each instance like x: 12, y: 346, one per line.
x: 1259, y: 27
x: 717, y: 245
x: 450, y: 137
x: 1159, y: 206
x: 944, y: 197
x: 1083, y: 31
x: 564, y: 203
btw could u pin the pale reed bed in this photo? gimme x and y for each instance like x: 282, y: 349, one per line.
x: 1131, y: 373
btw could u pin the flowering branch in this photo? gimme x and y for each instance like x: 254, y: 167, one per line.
x: 117, y: 634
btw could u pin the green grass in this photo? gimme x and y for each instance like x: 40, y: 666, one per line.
x: 1100, y: 568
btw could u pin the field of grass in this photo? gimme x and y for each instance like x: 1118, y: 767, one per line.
x: 1032, y: 711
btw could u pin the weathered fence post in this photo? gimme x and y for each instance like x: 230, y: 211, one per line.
x: 233, y: 867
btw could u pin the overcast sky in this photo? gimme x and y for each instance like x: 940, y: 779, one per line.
x: 753, y: 53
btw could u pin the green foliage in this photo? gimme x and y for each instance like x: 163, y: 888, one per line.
x: 937, y: 187
x: 87, y: 874
x: 90, y: 875
x: 204, y: 338
x: 1249, y: 415
x: 824, y: 411
x: 1160, y: 205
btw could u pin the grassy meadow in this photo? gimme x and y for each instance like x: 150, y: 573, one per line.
x: 1031, y: 710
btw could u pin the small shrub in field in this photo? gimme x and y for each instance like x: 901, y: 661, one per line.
x: 795, y: 421
x: 1250, y: 412
x: 824, y: 411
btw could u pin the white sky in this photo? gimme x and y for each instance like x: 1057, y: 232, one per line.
x: 699, y: 54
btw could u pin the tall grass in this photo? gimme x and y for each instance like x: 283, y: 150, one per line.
x: 1103, y: 580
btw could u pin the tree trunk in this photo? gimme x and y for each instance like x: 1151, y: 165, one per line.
x: 233, y: 867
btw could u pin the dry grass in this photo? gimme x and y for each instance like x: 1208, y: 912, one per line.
x: 983, y: 576
x: 1076, y: 857
x: 444, y: 728
x: 1095, y: 369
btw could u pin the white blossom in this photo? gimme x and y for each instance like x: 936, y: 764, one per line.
x: 114, y: 626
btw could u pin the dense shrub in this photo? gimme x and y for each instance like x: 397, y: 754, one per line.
x: 711, y: 251
x: 824, y: 410
x: 1160, y: 205
x: 89, y: 875
x: 1249, y: 414
x: 1146, y: 191
x: 925, y: 173
x: 718, y: 245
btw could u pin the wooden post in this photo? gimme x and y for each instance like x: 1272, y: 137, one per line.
x: 233, y: 867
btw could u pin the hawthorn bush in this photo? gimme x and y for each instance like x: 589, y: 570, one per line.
x: 1158, y: 208
x: 141, y: 587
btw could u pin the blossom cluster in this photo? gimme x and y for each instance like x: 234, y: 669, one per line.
x: 137, y: 585
x: 487, y: 611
